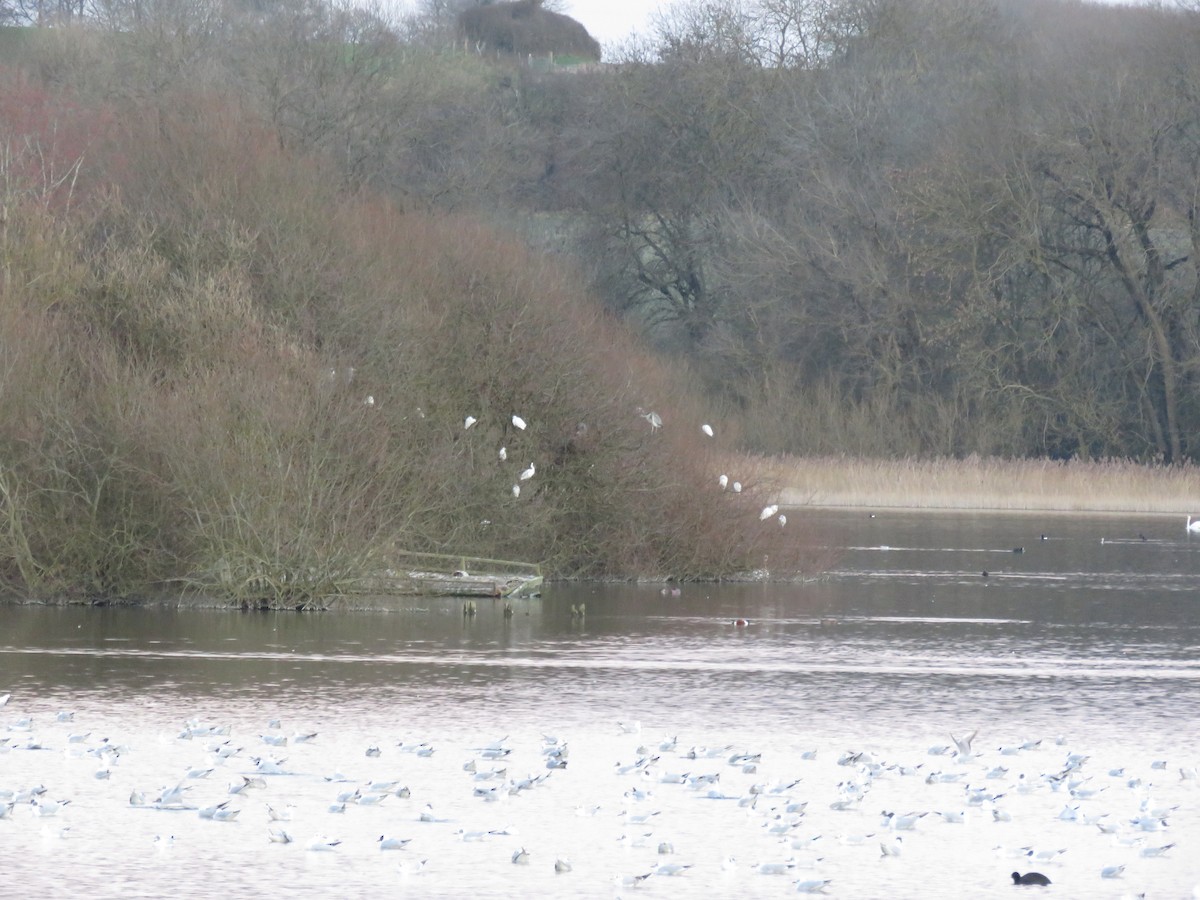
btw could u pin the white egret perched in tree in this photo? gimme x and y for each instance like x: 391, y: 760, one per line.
x: 519, y: 422
x: 707, y: 429
x: 768, y: 511
x: 503, y: 454
x: 469, y: 421
x: 528, y: 473
x: 723, y: 481
x: 516, y: 490
x: 782, y: 520
x: 737, y: 487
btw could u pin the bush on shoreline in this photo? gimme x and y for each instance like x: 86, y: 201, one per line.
x: 220, y: 373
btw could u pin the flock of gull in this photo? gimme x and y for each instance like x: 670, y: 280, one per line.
x: 808, y: 829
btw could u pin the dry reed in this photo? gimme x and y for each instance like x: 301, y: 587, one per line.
x: 986, y: 484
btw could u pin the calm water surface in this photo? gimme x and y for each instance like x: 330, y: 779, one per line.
x: 683, y: 731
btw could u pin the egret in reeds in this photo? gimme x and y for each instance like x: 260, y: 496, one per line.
x: 503, y: 454
x: 723, y: 480
x: 707, y: 429
x: 518, y: 422
x: 768, y: 511
x: 528, y: 473
x: 469, y: 421
x: 652, y: 417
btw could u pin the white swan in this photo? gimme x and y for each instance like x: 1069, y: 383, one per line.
x: 1193, y: 526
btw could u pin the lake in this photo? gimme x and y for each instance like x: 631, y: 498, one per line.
x: 650, y: 736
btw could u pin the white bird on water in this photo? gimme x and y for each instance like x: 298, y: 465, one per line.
x: 1193, y: 526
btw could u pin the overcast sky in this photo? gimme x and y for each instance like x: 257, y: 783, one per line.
x: 611, y: 21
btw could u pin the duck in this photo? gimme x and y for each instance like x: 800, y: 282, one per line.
x: 1030, y: 878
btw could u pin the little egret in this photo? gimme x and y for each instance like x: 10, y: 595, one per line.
x: 469, y: 421
x: 518, y: 422
x: 707, y: 429
x: 528, y: 473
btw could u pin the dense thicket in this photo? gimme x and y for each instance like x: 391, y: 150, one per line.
x: 872, y: 226
x: 879, y: 227
x: 221, y: 368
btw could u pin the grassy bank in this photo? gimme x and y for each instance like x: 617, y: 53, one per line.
x: 987, y: 484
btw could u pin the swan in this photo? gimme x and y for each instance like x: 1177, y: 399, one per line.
x: 1193, y: 526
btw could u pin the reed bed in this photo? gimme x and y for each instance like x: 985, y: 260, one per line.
x: 986, y: 484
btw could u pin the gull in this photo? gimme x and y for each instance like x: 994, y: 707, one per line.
x: 1151, y: 852
x: 782, y: 867
x: 633, y: 881
x: 277, y: 835
x: 890, y: 848
x: 768, y: 511
x: 210, y: 812
x: 320, y: 843
x: 518, y: 422
x: 634, y: 727
x: 427, y: 815
x: 670, y: 869
x: 528, y: 473
x: 813, y: 886
x: 954, y: 818
x: 902, y: 823
x: 1112, y: 871
x: 707, y: 429
x: 412, y: 867
x: 964, y: 743
x: 469, y: 421
x: 392, y: 843
x: 274, y: 740
x: 520, y: 857
x: 275, y: 815
x: 266, y: 766
x: 562, y: 865
x: 49, y: 807
x: 1044, y: 855
x: 302, y: 737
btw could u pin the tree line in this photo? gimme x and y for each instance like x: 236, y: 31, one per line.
x: 879, y: 227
